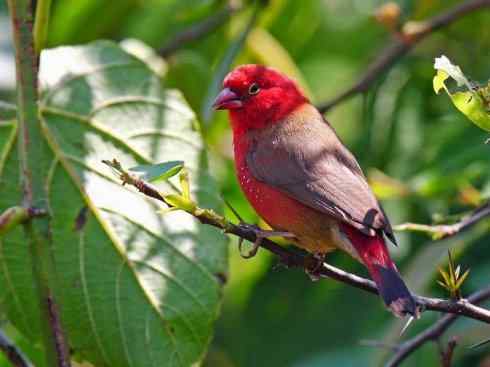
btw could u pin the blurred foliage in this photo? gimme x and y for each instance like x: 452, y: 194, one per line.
x: 428, y: 162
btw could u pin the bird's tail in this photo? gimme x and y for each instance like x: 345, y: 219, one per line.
x: 374, y: 254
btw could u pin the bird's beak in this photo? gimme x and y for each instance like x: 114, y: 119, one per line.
x: 227, y: 100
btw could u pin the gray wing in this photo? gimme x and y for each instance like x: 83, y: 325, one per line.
x: 304, y: 158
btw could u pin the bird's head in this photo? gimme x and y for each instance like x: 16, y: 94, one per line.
x: 258, y: 96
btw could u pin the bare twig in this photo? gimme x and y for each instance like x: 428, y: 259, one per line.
x: 433, y: 332
x: 447, y: 230
x: 12, y: 353
x: 401, y: 44
x: 448, y: 352
x: 200, y: 29
x: 291, y: 258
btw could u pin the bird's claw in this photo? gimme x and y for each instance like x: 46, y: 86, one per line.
x: 313, y: 264
x: 260, y: 234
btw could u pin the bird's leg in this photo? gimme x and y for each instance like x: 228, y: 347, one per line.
x: 313, y: 264
x: 260, y: 234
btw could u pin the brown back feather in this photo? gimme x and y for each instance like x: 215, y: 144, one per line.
x: 303, y: 157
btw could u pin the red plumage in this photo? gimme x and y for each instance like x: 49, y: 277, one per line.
x: 300, y: 178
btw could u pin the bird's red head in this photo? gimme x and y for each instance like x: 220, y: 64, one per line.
x: 258, y: 96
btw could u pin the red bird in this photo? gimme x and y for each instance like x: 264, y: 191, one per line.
x: 300, y: 178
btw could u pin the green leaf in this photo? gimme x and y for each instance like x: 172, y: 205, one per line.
x: 473, y: 102
x: 157, y: 172
x: 461, y: 280
x: 136, y: 288
x: 8, y: 111
x: 270, y: 52
x: 444, y: 275
x: 225, y: 64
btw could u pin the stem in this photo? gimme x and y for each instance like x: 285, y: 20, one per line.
x: 41, y: 24
x: 199, y: 29
x: 11, y: 217
x: 446, y: 230
x: 292, y: 258
x: 401, y: 45
x: 33, y: 148
x: 12, y: 353
x: 433, y: 332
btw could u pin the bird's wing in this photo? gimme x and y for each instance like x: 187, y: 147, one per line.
x: 303, y: 157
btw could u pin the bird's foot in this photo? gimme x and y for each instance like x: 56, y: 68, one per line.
x: 313, y: 264
x: 260, y: 234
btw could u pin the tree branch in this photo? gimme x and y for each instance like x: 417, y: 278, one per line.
x: 199, y: 29
x: 33, y: 148
x: 433, y: 332
x: 292, y: 258
x: 401, y: 44
x: 12, y: 353
x: 446, y: 230
x: 447, y: 354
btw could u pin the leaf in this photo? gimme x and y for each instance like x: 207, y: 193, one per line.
x: 158, y: 172
x: 225, y: 64
x: 449, y: 70
x: 438, y: 81
x: 473, y: 102
x: 136, y: 288
x: 444, y: 275
x: 461, y: 280
x: 270, y: 52
x: 8, y: 111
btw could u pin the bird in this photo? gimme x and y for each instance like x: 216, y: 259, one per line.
x: 301, y: 179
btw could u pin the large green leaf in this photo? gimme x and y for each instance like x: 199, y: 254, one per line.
x: 136, y: 288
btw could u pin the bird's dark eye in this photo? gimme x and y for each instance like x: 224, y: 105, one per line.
x: 253, y: 89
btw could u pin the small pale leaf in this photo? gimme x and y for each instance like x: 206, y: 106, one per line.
x: 157, y: 172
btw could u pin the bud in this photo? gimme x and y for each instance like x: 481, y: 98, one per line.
x: 388, y: 15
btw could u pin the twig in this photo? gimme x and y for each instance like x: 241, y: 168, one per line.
x: 447, y: 230
x: 12, y: 353
x: 401, y: 44
x: 33, y: 148
x: 447, y: 354
x: 11, y: 217
x: 200, y: 29
x: 291, y: 258
x: 433, y: 332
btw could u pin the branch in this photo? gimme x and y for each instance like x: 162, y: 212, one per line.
x: 33, y: 150
x: 401, y: 44
x: 433, y: 332
x: 199, y: 29
x: 447, y: 230
x: 12, y: 353
x: 291, y: 258
x: 447, y: 354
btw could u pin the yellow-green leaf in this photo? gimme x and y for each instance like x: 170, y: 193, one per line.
x: 438, y: 81
x: 472, y: 102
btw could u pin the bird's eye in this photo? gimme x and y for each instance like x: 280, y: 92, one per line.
x: 253, y: 89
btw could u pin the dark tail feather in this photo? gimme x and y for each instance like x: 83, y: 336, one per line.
x: 393, y: 290
x: 374, y: 254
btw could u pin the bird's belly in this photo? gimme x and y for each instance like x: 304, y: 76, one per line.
x: 315, y: 231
